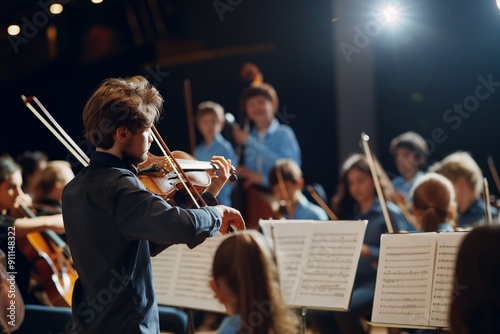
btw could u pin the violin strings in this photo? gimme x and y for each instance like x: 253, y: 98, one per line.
x: 174, y: 167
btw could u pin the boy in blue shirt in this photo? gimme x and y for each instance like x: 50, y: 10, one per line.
x: 210, y: 121
x: 268, y: 140
x: 293, y: 184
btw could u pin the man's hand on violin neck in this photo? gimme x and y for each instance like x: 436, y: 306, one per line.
x: 230, y: 217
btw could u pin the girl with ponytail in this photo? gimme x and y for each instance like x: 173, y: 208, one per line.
x: 245, y: 280
x: 434, y: 203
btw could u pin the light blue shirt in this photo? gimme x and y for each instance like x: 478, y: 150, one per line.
x: 445, y: 227
x: 222, y: 147
x: 404, y: 187
x: 263, y: 151
x: 230, y: 325
x: 308, y: 210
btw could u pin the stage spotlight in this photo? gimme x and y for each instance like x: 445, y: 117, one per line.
x: 97, y: 1
x: 56, y: 8
x: 391, y: 14
x: 498, y: 4
x: 13, y: 30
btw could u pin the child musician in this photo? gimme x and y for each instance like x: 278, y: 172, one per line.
x: 254, y: 305
x: 291, y: 191
x: 268, y: 140
x: 467, y: 179
x: 410, y: 156
x: 210, y: 121
x: 434, y: 203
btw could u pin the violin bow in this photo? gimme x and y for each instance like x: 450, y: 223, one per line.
x: 177, y: 169
x: 373, y: 168
x: 284, y: 193
x: 56, y: 129
x: 321, y: 203
x: 188, y: 100
x: 486, y: 196
x: 394, y: 195
x: 494, y: 173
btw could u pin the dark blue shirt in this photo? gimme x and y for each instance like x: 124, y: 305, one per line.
x: 475, y: 213
x: 367, y: 266
x: 113, y: 225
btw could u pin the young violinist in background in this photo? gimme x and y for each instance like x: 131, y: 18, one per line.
x: 48, y: 190
x: 38, y: 318
x: 268, y: 140
x: 114, y: 224
x: 254, y: 305
x: 210, y: 121
x: 410, y: 156
x: 290, y: 192
x: 467, y: 179
x: 434, y: 203
x: 32, y: 164
x: 355, y: 199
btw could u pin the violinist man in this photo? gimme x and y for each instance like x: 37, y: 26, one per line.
x: 114, y: 224
x: 38, y: 318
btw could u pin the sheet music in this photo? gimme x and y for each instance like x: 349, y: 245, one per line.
x: 404, y: 279
x: 181, y: 276
x: 317, y: 261
x: 442, y: 288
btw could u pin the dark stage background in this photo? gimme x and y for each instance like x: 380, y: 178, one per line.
x: 422, y: 68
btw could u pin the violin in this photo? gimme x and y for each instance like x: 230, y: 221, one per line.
x: 158, y: 175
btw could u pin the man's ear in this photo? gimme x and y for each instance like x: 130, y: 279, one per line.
x: 300, y: 184
x: 122, y: 134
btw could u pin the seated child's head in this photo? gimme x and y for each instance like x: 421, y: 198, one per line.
x: 433, y: 201
x: 210, y: 119
x: 53, y: 179
x: 291, y: 174
x: 463, y: 172
x: 10, y: 182
x: 245, y: 280
x: 260, y: 102
x: 410, y: 153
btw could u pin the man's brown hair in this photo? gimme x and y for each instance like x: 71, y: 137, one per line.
x: 132, y: 102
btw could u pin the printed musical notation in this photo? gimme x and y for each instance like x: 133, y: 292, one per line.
x: 415, y: 279
x: 442, y: 287
x: 317, y: 261
x: 403, y: 280
x: 181, y: 276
